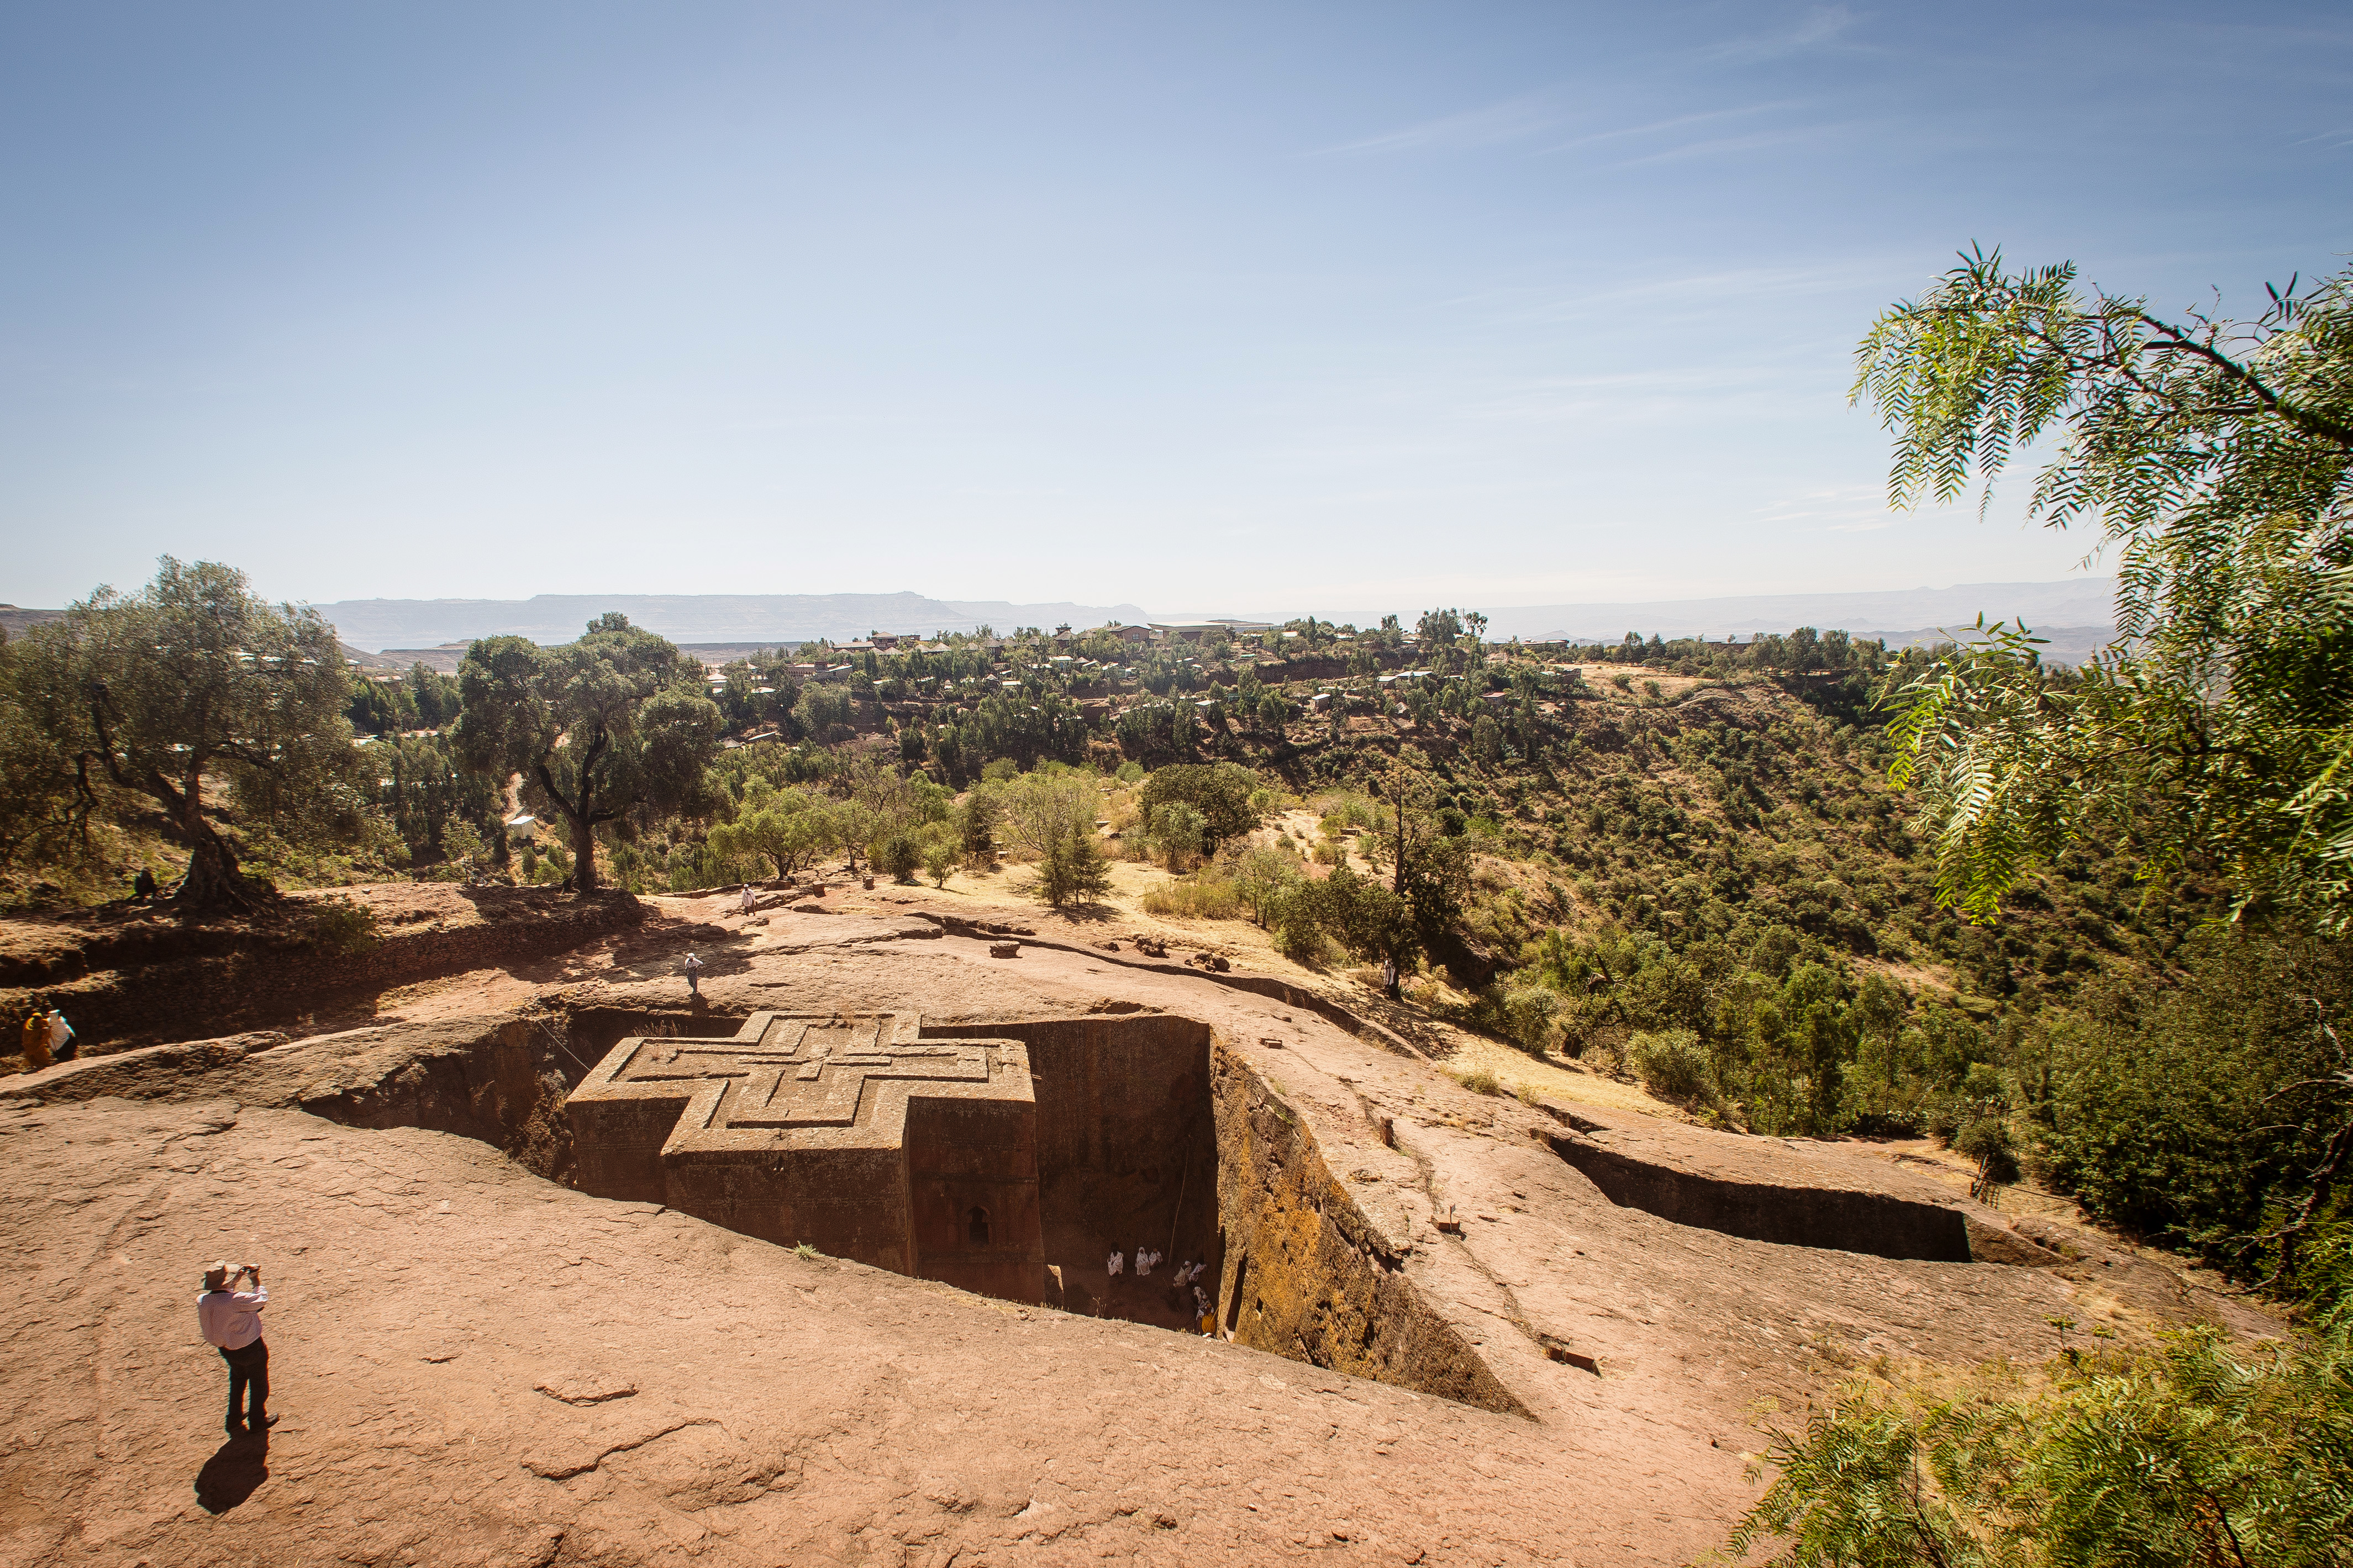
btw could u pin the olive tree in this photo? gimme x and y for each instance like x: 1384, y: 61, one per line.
x: 596, y: 727
x: 195, y: 680
x: 788, y: 827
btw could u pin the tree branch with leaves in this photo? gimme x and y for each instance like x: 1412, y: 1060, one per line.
x: 2213, y: 457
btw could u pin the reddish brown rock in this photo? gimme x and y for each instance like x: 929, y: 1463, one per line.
x: 478, y: 1364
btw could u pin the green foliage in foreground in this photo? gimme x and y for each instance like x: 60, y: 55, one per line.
x: 2214, y: 455
x: 2196, y: 1451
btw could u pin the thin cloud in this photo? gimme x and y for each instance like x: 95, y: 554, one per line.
x: 1510, y: 120
x: 1723, y: 146
x: 1636, y: 397
x: 1843, y: 509
x: 1684, y: 294
x: 1679, y: 123
x: 1820, y: 26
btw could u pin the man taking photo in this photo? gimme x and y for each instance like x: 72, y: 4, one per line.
x: 231, y: 1320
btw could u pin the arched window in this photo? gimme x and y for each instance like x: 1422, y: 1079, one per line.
x: 976, y: 1226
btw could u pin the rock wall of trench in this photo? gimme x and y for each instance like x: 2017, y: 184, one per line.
x: 185, y: 983
x: 1304, y: 1275
x: 1849, y: 1221
x: 1127, y: 1148
x: 505, y: 1089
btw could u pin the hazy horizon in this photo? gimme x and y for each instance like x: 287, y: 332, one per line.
x: 2082, y: 606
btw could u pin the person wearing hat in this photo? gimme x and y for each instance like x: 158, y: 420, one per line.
x: 694, y: 967
x: 35, y: 1039
x: 231, y: 1322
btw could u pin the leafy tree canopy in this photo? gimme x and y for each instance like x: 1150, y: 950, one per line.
x: 1049, y: 820
x: 2213, y: 457
x: 195, y: 677
x: 1220, y: 791
x: 595, y: 727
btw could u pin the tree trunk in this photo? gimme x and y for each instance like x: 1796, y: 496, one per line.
x: 582, y: 816
x: 214, y: 880
x: 584, y: 849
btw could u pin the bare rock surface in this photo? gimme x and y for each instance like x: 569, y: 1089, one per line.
x: 475, y: 1364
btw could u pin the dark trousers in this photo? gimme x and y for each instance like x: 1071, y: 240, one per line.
x: 248, y: 1367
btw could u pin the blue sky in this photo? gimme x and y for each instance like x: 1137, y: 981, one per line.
x: 1204, y: 308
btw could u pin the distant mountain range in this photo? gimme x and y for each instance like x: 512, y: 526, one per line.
x: 696, y: 617
x: 1908, y: 615
x: 2078, y: 616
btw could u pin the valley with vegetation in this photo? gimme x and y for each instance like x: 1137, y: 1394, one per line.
x: 2068, y: 940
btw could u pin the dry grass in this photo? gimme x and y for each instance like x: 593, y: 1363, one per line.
x: 1553, y: 1078
x: 1193, y: 897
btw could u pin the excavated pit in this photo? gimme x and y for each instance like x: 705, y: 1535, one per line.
x: 1150, y: 1133
x: 1877, y: 1224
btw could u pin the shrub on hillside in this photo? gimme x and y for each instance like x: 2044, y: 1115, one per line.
x: 898, y: 857
x: 1530, y: 1015
x: 340, y: 926
x: 2207, y: 1115
x: 1177, y: 833
x: 2191, y: 1452
x: 1673, y: 1064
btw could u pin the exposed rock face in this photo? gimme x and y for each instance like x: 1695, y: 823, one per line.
x: 129, y: 979
x: 1128, y: 1149
x: 1309, y: 1276
x: 1880, y: 1224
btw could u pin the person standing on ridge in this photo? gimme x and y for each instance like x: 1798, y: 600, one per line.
x: 230, y: 1320
x: 694, y: 967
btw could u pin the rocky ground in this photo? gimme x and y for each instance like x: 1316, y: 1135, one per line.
x: 476, y: 1365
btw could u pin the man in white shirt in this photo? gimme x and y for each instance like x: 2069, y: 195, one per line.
x: 231, y: 1322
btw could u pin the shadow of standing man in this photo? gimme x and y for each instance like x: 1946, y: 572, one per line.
x: 236, y: 1469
